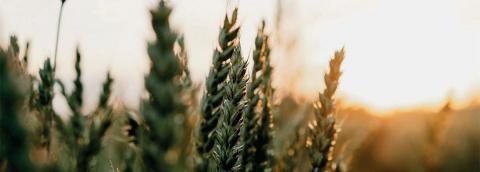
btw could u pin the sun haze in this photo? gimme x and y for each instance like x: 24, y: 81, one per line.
x: 398, y: 53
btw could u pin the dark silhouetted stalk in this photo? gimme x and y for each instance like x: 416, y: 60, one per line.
x: 58, y: 33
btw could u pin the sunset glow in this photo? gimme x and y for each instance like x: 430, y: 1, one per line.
x: 399, y: 53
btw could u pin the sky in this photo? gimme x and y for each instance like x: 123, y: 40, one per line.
x: 399, y: 54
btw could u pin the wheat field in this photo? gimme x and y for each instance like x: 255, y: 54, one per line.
x: 237, y: 119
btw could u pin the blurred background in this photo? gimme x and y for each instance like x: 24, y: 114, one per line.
x: 399, y: 53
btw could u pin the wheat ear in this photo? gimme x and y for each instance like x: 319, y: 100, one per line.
x: 322, y: 130
x: 215, y: 87
x: 228, y: 148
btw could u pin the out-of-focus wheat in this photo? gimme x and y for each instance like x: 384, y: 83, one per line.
x: 255, y: 135
x: 163, y: 85
x: 435, y: 134
x: 254, y: 91
x: 44, y: 102
x: 322, y: 130
x: 14, y: 150
x: 263, y: 148
x: 83, y: 134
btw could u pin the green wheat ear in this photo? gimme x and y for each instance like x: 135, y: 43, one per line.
x: 228, y: 148
x: 215, y: 88
x: 322, y: 131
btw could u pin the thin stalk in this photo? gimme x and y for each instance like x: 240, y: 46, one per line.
x: 58, y: 36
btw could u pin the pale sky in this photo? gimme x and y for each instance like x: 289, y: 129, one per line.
x: 399, y: 53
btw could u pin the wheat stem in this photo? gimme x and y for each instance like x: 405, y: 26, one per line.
x: 58, y: 34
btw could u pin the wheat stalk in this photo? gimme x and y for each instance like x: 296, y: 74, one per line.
x: 228, y: 148
x: 322, y: 131
x: 58, y: 33
x: 215, y: 87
